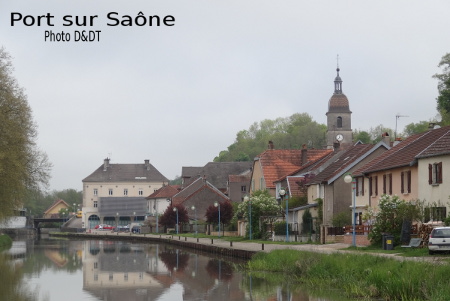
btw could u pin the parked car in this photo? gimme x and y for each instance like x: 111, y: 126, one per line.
x: 439, y: 240
x: 104, y: 227
x: 136, y: 229
x: 79, y: 213
x: 122, y: 229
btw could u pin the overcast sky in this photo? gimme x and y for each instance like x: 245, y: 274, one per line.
x: 178, y: 95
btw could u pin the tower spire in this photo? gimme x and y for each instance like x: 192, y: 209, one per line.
x: 337, y: 80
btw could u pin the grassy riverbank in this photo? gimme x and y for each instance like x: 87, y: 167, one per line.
x: 359, y: 275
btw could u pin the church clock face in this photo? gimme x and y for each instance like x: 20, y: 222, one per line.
x: 339, y: 137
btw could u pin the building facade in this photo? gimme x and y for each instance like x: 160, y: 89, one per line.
x: 116, y: 194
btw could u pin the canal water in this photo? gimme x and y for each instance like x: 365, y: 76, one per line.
x: 64, y: 270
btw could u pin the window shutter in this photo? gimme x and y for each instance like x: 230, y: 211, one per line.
x: 370, y: 186
x: 357, y: 186
x: 390, y: 184
x: 376, y: 185
x: 362, y: 186
x: 384, y: 184
x: 439, y: 173
x: 430, y: 174
x: 409, y: 180
x: 402, y: 182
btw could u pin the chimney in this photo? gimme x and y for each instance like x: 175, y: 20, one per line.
x: 147, y: 164
x: 385, y: 138
x: 270, y: 146
x: 304, y: 154
x: 397, y: 141
x: 105, y: 164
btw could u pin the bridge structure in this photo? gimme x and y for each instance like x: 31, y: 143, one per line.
x: 37, y: 221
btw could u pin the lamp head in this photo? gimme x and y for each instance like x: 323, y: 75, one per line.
x: 282, y: 192
x: 348, y: 178
x: 193, y: 207
x: 216, y: 204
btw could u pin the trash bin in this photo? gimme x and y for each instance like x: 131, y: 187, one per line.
x: 389, y: 243
x: 383, y: 240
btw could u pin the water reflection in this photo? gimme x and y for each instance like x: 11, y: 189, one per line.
x: 111, y: 270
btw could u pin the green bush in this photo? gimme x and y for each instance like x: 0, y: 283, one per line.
x: 280, y: 228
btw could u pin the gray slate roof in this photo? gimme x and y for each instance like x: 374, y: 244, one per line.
x: 126, y: 173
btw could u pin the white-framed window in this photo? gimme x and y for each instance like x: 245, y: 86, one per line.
x: 95, y: 204
x: 125, y: 191
x: 95, y: 191
x: 141, y: 192
x: 359, y: 186
x: 110, y: 191
x: 243, y: 188
x: 435, y: 173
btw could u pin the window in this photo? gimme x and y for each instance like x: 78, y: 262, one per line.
x: 243, y: 188
x: 125, y: 191
x: 125, y: 276
x: 339, y: 122
x: 111, y: 276
x: 110, y: 192
x: 95, y: 204
x: 360, y: 186
x: 435, y: 214
x: 141, y: 192
x: 405, y: 185
x: 373, y: 186
x: 95, y: 191
x: 435, y: 173
x: 95, y: 277
x: 387, y: 184
x: 96, y: 265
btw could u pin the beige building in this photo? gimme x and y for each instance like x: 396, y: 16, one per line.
x: 414, y: 169
x: 116, y: 194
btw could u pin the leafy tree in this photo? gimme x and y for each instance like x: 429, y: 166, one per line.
x: 443, y: 100
x: 287, y: 133
x: 264, y: 210
x: 342, y: 219
x: 22, y: 165
x: 415, y: 128
x: 176, y: 181
x: 362, y: 136
x: 169, y: 217
x: 226, y: 213
x: 392, y: 213
x: 376, y: 133
x: 307, y: 220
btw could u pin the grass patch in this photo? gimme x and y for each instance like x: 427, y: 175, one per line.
x: 359, y: 275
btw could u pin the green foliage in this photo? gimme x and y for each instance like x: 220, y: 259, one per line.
x: 443, y: 100
x: 280, y: 228
x: 22, y: 165
x: 5, y: 241
x: 307, y: 226
x: 37, y: 201
x: 362, y: 136
x: 415, y: 128
x: 356, y: 276
x: 264, y: 208
x: 392, y: 213
x: 176, y: 181
x: 286, y: 133
x: 342, y: 219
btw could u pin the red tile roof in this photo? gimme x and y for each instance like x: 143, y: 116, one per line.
x: 277, y: 163
x: 165, y: 192
x: 406, y: 152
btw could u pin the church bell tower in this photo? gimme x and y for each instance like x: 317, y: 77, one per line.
x: 339, y: 116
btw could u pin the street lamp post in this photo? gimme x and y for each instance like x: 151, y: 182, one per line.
x: 282, y: 193
x: 349, y: 179
x: 175, y: 209
x: 74, y: 209
x: 249, y: 200
x: 217, y: 204
x: 195, y: 216
x: 117, y: 220
x: 134, y: 216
